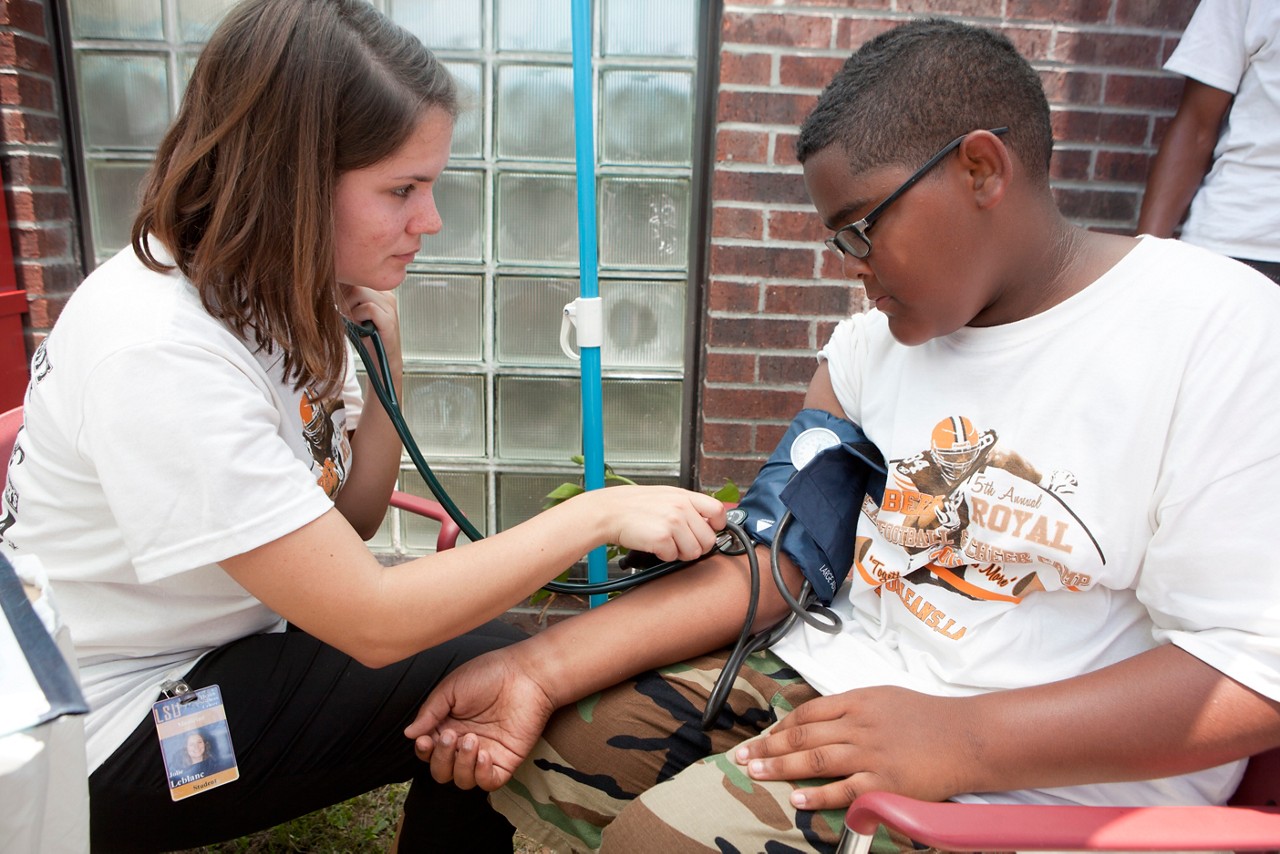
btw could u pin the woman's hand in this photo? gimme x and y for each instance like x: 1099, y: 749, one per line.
x: 871, y: 739
x: 366, y: 304
x: 481, y: 722
x: 672, y: 523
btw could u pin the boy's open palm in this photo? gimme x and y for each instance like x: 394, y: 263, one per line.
x: 480, y: 723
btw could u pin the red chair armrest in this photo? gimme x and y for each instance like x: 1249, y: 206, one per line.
x: 449, y: 530
x: 986, y: 827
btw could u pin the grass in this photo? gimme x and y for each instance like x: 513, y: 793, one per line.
x: 363, y: 825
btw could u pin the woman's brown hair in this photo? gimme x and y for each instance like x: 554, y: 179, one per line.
x: 286, y: 96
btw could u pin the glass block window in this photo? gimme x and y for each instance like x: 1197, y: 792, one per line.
x: 491, y: 398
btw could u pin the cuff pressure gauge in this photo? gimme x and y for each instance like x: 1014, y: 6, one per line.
x: 810, y: 443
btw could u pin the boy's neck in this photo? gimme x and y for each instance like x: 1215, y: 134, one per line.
x: 1061, y: 263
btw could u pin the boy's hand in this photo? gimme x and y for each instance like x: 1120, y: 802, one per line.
x: 871, y: 739
x: 480, y: 722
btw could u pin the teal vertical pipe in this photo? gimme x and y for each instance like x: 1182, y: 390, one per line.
x: 589, y: 286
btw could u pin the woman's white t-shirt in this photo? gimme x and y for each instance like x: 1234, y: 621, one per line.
x: 156, y: 443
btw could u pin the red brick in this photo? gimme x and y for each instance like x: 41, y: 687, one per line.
x: 1070, y: 164
x: 32, y: 170
x: 1162, y: 14
x: 781, y: 30
x: 860, y: 5
x: 812, y: 72
x: 27, y: 205
x: 766, y: 187
x: 47, y: 279
x: 755, y: 332
x: 26, y: 128
x: 1082, y: 11
x: 26, y: 90
x: 734, y: 222
x: 43, y: 313
x: 1065, y: 86
x: 24, y: 15
x: 23, y: 52
x: 1159, y: 127
x: 772, y: 108
x: 754, y: 403
x: 50, y: 241
x: 797, y: 225
x: 794, y: 370
x: 713, y: 471
x: 852, y: 33
x: 1091, y: 126
x: 762, y: 261
x: 969, y: 8
x: 746, y: 68
x: 730, y: 367
x: 784, y: 149
x: 1122, y: 166
x: 1103, y: 48
x: 769, y: 435
x: 1113, y: 205
x: 1132, y: 90
x: 810, y: 300
x: 742, y: 146
x: 727, y: 437
x: 733, y: 296
x: 1035, y: 43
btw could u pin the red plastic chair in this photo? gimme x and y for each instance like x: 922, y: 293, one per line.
x: 449, y: 530
x: 11, y: 421
x: 1251, y: 822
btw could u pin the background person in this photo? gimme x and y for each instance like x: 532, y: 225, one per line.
x: 1220, y: 155
x: 196, y: 466
x: 1103, y: 635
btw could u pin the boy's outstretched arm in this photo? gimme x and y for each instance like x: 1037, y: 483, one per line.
x: 1162, y: 712
x: 482, y: 720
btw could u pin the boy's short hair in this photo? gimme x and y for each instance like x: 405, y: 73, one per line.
x: 912, y: 89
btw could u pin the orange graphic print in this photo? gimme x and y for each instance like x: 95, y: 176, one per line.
x: 975, y: 520
x: 324, y: 442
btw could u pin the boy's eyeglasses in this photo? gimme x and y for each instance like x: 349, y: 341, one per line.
x: 852, y: 239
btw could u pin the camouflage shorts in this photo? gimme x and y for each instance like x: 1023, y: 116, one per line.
x: 592, y: 781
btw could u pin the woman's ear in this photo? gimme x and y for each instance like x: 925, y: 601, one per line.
x: 988, y: 165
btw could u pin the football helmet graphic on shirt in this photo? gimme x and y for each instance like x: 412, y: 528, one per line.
x: 955, y: 446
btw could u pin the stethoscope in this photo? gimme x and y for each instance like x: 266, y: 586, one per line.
x: 733, y: 540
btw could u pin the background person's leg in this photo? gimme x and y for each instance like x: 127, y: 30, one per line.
x: 601, y: 753
x: 311, y: 727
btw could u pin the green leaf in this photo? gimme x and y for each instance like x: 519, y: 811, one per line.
x: 563, y: 492
x: 729, y: 493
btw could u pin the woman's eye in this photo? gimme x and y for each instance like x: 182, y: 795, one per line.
x: 404, y: 191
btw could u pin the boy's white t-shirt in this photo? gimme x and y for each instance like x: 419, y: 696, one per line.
x: 155, y: 444
x: 1065, y: 492
x: 1234, y: 45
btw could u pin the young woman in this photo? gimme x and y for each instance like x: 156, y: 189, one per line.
x: 196, y: 467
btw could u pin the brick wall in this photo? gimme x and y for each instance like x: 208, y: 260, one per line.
x: 33, y: 161
x: 773, y: 293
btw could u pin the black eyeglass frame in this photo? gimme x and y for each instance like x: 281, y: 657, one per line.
x: 842, y: 244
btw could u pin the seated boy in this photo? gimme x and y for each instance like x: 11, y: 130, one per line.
x: 1060, y: 596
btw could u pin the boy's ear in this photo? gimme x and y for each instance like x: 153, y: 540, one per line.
x: 988, y: 165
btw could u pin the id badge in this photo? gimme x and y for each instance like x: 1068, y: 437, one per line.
x: 195, y: 740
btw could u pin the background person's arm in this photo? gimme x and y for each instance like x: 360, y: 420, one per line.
x: 1184, y: 157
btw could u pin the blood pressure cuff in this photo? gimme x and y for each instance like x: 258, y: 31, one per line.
x: 838, y: 467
